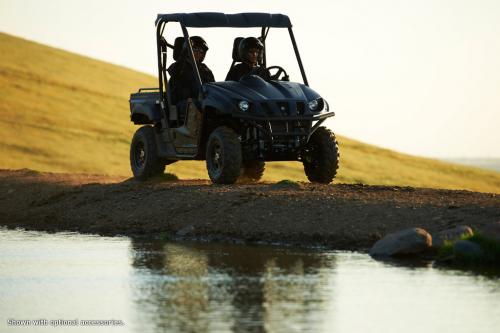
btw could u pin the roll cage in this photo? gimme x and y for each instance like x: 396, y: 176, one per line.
x: 212, y: 20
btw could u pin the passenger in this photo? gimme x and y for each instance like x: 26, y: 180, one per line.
x: 182, y: 82
x: 250, y: 52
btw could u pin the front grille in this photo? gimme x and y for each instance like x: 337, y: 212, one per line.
x: 292, y: 128
x: 267, y: 108
x: 283, y: 108
x: 301, y: 107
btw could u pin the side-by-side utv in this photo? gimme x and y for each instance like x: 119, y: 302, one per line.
x: 234, y: 126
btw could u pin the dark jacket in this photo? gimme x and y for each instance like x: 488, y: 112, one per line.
x: 182, y: 80
x: 242, y: 69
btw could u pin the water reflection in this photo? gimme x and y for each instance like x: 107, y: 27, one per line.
x: 230, y: 288
x: 181, y: 287
x: 445, y: 267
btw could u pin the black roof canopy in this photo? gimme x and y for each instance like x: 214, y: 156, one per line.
x: 242, y: 20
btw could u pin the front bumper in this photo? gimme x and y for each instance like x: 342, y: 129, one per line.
x: 279, y: 138
x: 285, y: 126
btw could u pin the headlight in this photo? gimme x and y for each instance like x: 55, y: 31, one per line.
x: 313, y: 105
x: 244, y: 105
x: 316, y: 104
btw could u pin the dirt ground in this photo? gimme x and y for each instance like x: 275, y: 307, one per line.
x: 338, y: 216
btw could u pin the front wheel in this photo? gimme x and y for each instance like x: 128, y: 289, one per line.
x: 144, y: 160
x: 223, y: 156
x: 321, y: 156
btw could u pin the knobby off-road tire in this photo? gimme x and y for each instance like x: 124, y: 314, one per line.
x: 223, y: 156
x: 253, y: 170
x: 321, y: 156
x: 144, y: 159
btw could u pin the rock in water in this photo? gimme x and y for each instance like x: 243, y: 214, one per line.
x: 467, y: 249
x: 408, y: 241
x: 451, y: 235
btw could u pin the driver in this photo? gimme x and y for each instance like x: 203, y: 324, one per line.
x: 250, y: 52
x: 182, y: 82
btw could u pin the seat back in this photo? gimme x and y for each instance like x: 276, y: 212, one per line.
x: 236, y: 46
x: 178, y: 46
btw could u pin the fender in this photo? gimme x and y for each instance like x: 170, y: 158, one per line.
x: 145, y: 108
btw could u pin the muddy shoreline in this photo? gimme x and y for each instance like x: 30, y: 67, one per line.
x: 338, y: 216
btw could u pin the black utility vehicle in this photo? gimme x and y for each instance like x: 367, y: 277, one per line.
x: 234, y: 126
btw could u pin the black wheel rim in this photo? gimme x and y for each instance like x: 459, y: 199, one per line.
x: 312, y: 156
x: 140, y: 155
x: 216, y: 157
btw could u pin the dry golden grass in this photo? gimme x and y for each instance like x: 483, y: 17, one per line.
x: 62, y: 112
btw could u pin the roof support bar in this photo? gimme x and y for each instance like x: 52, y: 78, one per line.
x: 196, y: 73
x: 295, y: 48
x: 263, y: 36
x: 159, y: 29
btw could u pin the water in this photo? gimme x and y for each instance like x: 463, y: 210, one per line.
x: 148, y: 286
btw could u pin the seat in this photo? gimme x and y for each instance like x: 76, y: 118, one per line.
x: 236, y: 56
x: 178, y: 46
x: 175, y: 114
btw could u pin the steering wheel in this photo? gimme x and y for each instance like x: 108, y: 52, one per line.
x: 275, y: 76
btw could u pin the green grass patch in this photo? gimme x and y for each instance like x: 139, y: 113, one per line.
x: 287, y: 182
x: 490, y: 247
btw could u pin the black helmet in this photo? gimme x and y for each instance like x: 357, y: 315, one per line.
x: 197, y: 41
x: 247, y: 44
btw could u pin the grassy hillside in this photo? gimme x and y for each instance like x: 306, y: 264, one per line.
x: 63, y: 112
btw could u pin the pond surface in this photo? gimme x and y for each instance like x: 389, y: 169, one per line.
x: 65, y: 280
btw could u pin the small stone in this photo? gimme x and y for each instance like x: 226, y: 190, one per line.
x: 451, y: 235
x: 408, y: 241
x: 467, y: 249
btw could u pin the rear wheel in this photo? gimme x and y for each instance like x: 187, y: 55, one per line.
x: 223, y: 156
x: 321, y: 156
x: 144, y: 160
x: 253, y: 170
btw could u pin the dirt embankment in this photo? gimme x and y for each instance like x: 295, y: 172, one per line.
x: 339, y: 216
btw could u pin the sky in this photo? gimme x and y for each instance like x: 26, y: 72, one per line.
x: 420, y: 77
